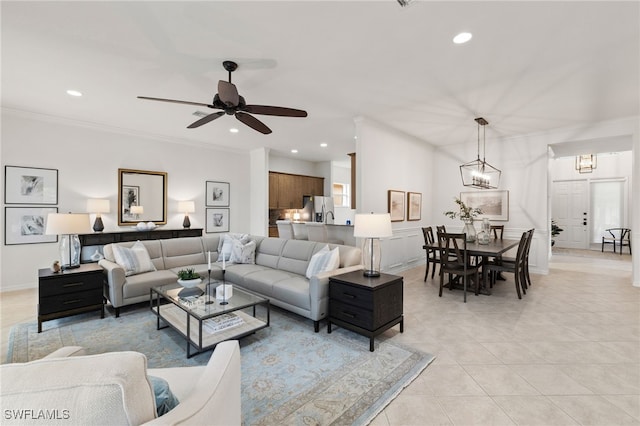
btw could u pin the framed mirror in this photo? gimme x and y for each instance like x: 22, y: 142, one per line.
x: 142, y: 197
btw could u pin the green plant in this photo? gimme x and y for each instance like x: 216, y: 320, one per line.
x: 188, y: 274
x: 464, y: 212
x: 555, y: 230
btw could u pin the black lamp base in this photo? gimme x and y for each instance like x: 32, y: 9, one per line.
x: 186, y: 223
x: 98, y: 226
x: 371, y: 273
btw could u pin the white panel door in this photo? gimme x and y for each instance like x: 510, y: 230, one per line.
x: 570, y: 211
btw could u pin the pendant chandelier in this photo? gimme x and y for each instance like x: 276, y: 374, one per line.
x: 478, y: 173
x: 586, y: 163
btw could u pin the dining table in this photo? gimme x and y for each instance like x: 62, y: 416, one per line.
x: 494, y: 248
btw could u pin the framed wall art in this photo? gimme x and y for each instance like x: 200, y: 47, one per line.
x: 414, y: 205
x: 217, y: 194
x: 494, y: 204
x: 27, y: 225
x: 217, y: 220
x: 396, y: 205
x: 30, y: 185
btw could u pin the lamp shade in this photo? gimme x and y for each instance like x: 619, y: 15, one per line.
x: 137, y: 210
x: 95, y: 205
x: 372, y: 225
x: 67, y: 223
x: 186, y: 206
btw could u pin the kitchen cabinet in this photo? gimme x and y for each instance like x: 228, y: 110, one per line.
x: 286, y: 190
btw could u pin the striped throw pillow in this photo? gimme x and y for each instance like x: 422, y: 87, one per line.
x: 134, y: 260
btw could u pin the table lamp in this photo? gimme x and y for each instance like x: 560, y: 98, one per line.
x: 68, y: 226
x: 136, y: 211
x: 186, y: 207
x: 372, y: 227
x: 98, y: 207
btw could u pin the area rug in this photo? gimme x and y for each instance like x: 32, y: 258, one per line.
x: 290, y: 375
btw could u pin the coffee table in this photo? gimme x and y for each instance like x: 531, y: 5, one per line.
x: 202, y: 324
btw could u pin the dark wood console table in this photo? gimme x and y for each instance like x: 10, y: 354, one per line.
x: 102, y: 238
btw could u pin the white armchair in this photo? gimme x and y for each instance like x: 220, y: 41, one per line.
x: 113, y: 388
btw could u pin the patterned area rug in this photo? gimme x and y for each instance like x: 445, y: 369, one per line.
x: 290, y: 375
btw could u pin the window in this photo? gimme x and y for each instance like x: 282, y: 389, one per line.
x: 341, y: 194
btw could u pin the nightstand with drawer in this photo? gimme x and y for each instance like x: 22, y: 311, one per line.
x: 69, y: 292
x: 366, y: 305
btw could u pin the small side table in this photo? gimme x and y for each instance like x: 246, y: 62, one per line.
x: 368, y: 306
x: 69, y: 292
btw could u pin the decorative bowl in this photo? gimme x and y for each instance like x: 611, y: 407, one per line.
x: 190, y: 283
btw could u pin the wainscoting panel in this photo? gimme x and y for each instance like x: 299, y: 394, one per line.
x: 402, y: 251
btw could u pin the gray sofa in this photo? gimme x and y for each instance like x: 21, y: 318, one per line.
x: 278, y: 272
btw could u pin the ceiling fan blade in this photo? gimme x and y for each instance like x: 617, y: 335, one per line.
x: 253, y: 122
x: 274, y: 110
x: 228, y: 93
x: 205, y: 120
x: 175, y: 101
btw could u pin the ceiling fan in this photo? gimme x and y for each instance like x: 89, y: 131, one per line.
x: 231, y: 103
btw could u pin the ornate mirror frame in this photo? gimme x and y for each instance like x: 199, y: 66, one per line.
x: 142, y: 188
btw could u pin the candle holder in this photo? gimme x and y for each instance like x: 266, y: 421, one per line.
x: 224, y: 288
x: 209, y: 301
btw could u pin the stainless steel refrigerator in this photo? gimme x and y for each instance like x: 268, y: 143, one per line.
x: 319, y: 209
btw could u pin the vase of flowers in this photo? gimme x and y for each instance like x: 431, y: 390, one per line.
x: 465, y: 214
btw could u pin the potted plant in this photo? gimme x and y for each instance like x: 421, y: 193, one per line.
x: 188, y: 277
x: 466, y: 214
x: 555, y: 230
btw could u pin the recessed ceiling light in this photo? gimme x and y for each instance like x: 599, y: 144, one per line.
x: 294, y: 151
x: 462, y: 38
x: 233, y: 130
x: 74, y: 93
x: 323, y: 144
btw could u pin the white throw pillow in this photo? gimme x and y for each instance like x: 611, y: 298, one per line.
x: 243, y: 253
x: 134, y: 260
x: 226, y: 243
x: 324, y: 260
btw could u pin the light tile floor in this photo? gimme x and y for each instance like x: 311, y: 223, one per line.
x: 568, y: 353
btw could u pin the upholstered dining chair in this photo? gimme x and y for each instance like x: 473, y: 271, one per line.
x: 454, y: 260
x: 432, y: 253
x: 317, y: 231
x: 517, y: 267
x: 285, y: 229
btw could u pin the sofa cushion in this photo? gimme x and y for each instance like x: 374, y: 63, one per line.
x: 243, y: 252
x: 182, y: 252
x: 237, y: 272
x: 268, y: 251
x: 134, y: 260
x: 293, y: 290
x: 323, y: 261
x: 296, y: 255
x: 139, y: 285
x: 113, y: 385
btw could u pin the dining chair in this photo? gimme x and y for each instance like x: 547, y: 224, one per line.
x: 454, y: 260
x: 517, y: 267
x: 527, y: 278
x: 285, y: 229
x: 317, y: 231
x: 431, y: 252
x: 497, y: 229
x: 617, y: 237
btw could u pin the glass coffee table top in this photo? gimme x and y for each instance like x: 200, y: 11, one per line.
x: 206, y: 305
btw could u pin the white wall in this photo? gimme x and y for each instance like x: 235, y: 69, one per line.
x: 388, y: 159
x: 88, y: 159
x: 297, y: 167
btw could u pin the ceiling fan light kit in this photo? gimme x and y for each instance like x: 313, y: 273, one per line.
x: 229, y: 101
x: 478, y: 173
